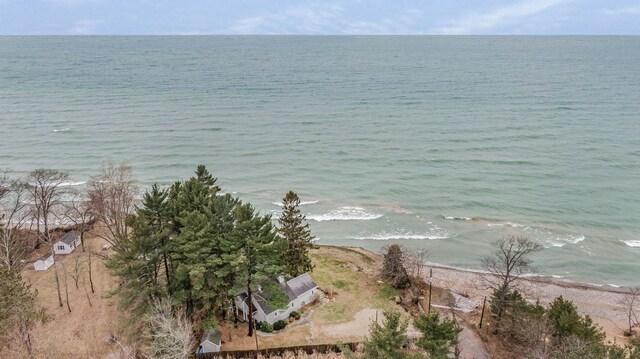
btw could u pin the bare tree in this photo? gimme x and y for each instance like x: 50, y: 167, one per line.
x: 414, y: 260
x: 507, y: 264
x: 57, y: 278
x: 46, y: 188
x: 13, y: 216
x: 169, y: 332
x: 66, y: 287
x: 90, y: 277
x: 86, y: 292
x: 78, y: 211
x: 76, y: 269
x: 112, y: 198
x: 631, y: 303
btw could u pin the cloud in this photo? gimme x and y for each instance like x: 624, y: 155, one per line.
x: 482, y: 23
x: 297, y: 20
x: 84, y: 27
x: 635, y: 10
x: 397, y: 25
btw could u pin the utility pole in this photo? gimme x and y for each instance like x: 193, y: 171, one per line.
x: 482, y: 315
x: 430, y: 275
x: 255, y: 334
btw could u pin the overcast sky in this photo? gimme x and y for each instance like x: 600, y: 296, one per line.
x: 146, y: 17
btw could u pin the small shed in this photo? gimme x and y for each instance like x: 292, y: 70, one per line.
x: 211, y: 341
x: 44, y: 262
x: 68, y: 242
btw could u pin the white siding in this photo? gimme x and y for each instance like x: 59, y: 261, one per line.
x: 63, y: 248
x: 43, y: 264
x: 209, y: 347
x: 260, y: 316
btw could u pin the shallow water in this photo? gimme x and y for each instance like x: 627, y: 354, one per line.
x: 445, y: 143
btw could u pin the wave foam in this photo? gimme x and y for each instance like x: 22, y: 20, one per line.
x: 391, y: 237
x: 345, y: 214
x: 632, y: 244
x: 72, y: 183
x: 506, y: 224
x: 302, y: 203
x: 451, y: 218
x: 62, y: 129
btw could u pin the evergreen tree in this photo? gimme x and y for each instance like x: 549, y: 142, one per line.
x: 387, y: 340
x: 437, y: 336
x: 18, y: 312
x: 297, y: 235
x: 261, y: 261
x: 566, y: 322
x: 156, y: 212
x: 138, y: 264
x: 393, y: 268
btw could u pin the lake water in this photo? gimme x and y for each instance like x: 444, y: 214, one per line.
x: 444, y: 143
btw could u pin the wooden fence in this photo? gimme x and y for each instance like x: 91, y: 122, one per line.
x: 308, y: 349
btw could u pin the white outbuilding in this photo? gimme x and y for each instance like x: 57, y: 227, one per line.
x: 44, y: 262
x: 211, y: 341
x: 68, y: 243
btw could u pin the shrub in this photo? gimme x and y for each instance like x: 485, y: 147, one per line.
x: 265, y: 327
x: 280, y: 324
x: 294, y: 314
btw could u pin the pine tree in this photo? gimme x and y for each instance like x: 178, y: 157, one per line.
x: 18, y: 312
x: 387, y: 340
x: 155, y: 211
x: 393, y: 268
x: 138, y: 264
x: 261, y: 262
x: 296, y: 234
x: 437, y: 336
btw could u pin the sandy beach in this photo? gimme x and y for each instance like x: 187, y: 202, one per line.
x: 602, y: 303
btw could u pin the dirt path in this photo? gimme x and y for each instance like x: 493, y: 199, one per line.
x: 471, y: 346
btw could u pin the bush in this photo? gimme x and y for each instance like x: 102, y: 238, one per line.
x: 280, y: 324
x: 294, y: 314
x: 265, y: 327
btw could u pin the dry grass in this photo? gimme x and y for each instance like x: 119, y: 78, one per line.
x: 350, y: 275
x: 83, y: 332
x: 301, y: 355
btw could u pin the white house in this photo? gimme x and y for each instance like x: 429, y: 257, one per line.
x: 211, y: 342
x: 44, y: 262
x: 301, y: 291
x: 67, y: 243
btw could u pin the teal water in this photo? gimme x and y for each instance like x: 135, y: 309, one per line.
x: 389, y: 138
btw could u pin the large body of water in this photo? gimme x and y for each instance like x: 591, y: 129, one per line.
x: 445, y: 143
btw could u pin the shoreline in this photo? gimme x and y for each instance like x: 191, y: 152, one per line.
x: 601, y: 303
x: 531, y: 277
x: 541, y: 278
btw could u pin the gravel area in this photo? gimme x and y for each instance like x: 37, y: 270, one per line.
x: 602, y: 303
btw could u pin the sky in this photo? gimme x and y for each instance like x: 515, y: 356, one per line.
x: 320, y: 17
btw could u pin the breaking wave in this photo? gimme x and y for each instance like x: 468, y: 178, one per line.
x: 72, y: 183
x: 396, y: 236
x: 632, y: 243
x: 345, y: 214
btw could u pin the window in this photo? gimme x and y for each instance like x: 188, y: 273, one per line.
x: 61, y: 248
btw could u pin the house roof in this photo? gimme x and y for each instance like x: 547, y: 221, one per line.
x: 299, y: 285
x: 293, y: 288
x: 212, y: 335
x: 44, y: 257
x: 69, y: 237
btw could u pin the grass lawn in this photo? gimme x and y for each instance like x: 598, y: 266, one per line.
x: 351, y: 276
